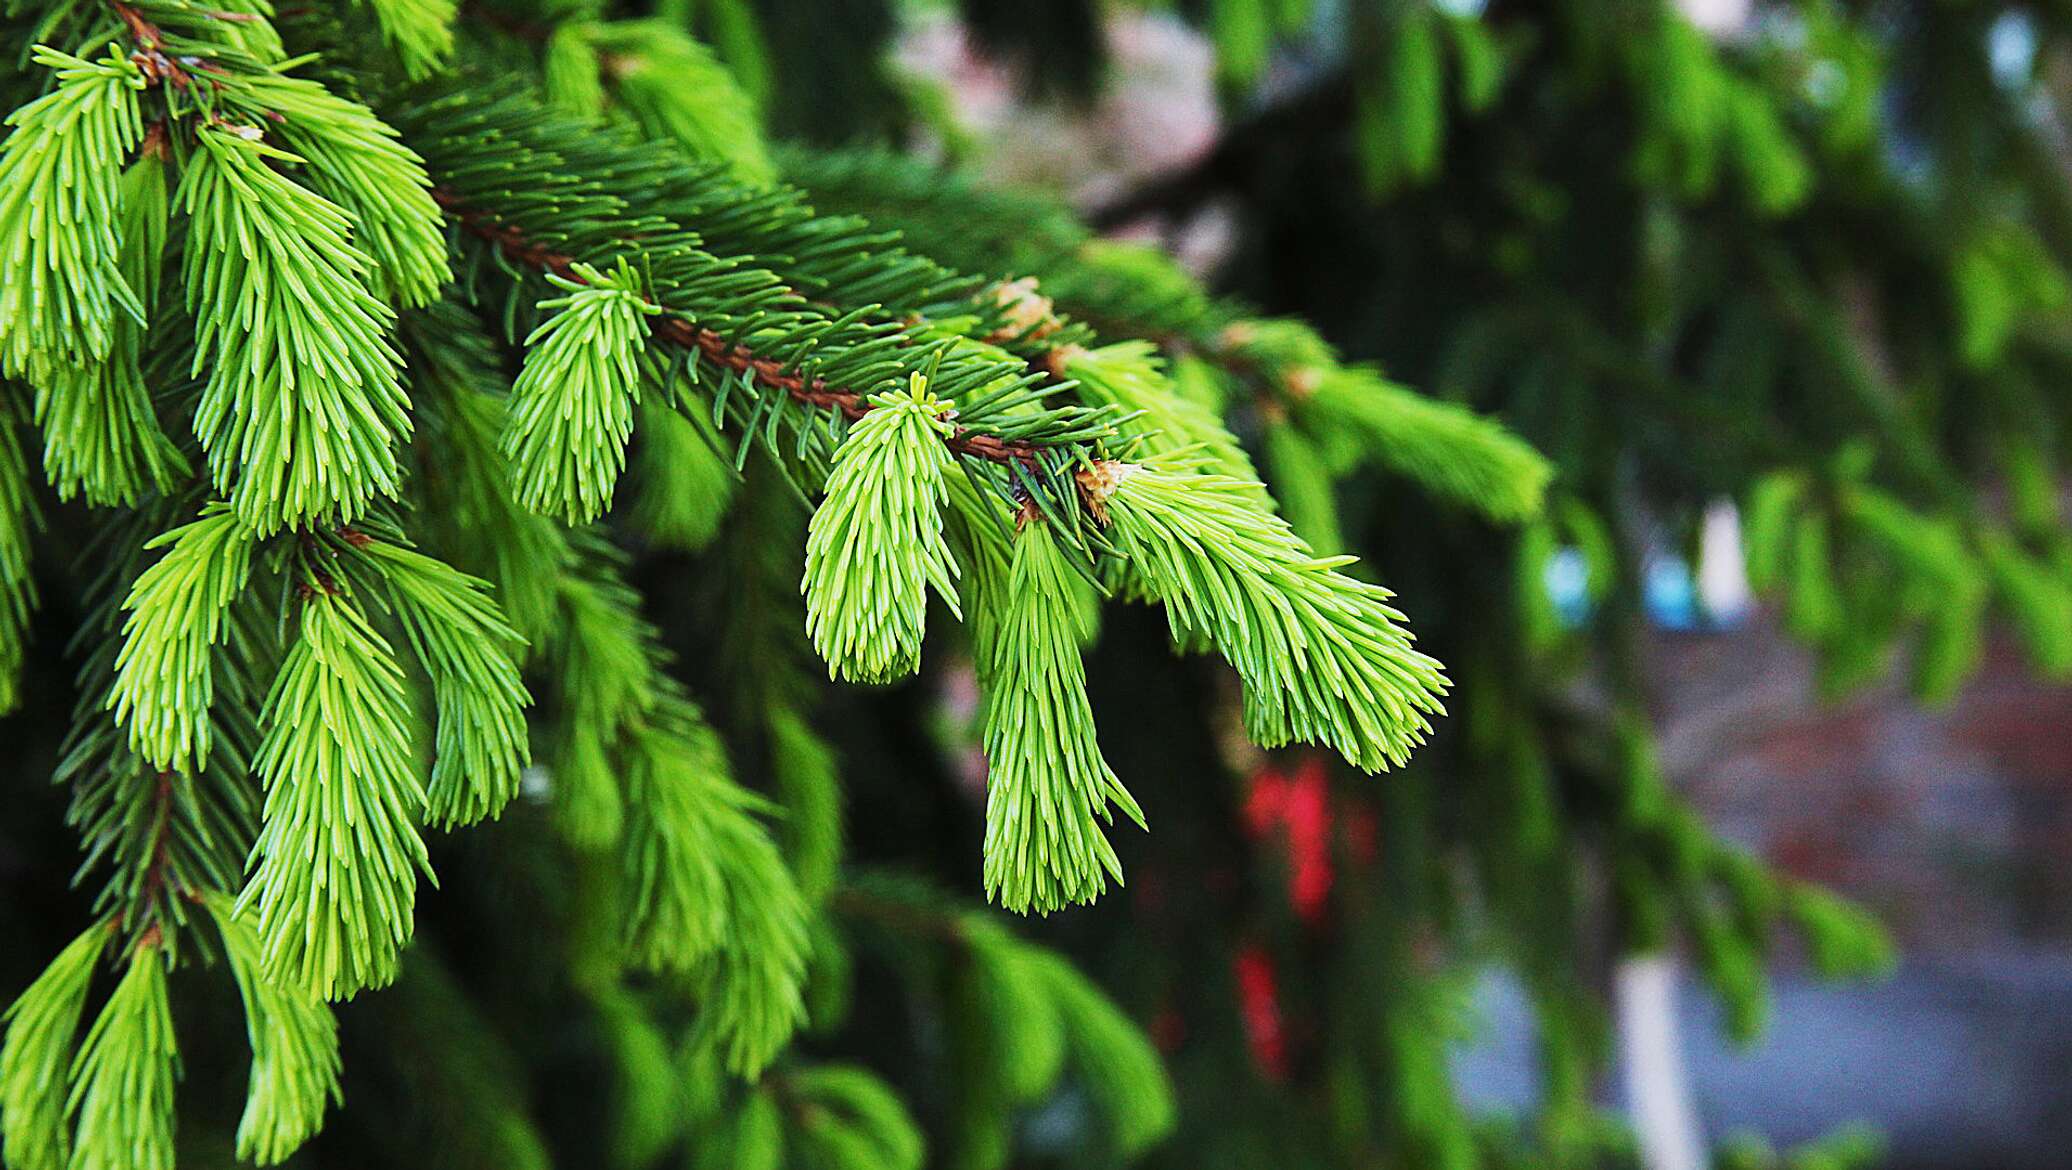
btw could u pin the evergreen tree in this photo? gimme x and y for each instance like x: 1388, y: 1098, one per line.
x: 466, y: 437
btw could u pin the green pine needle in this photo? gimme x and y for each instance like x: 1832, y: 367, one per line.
x: 303, y: 407
x: 1047, y: 787
x: 571, y: 410
x: 356, y: 161
x: 101, y: 437
x: 875, y: 545
x: 710, y: 893
x: 335, y: 873
x: 685, y: 484
x: 1450, y: 450
x: 679, y: 92
x: 1131, y: 376
x: 294, y: 1040
x: 163, y: 681
x: 60, y: 191
x: 36, y: 1058
x: 18, y: 518
x: 1110, y: 1056
x: 1321, y: 654
x: 850, y: 1118
x: 420, y: 32
x: 122, y: 1080
x: 470, y: 652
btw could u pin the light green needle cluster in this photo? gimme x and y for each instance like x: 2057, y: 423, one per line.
x: 875, y: 545
x: 1047, y: 787
x: 571, y: 410
x: 122, y: 1082
x: 164, y: 682
x: 247, y: 26
x: 60, y: 186
x: 470, y: 652
x: 571, y: 72
x: 294, y: 1040
x: 1450, y: 450
x: 335, y: 867
x: 1321, y: 654
x: 101, y: 437
x: 36, y: 1057
x: 420, y: 32
x: 711, y: 896
x: 672, y: 856
x: 678, y: 91
x: 356, y: 161
x: 1131, y: 376
x: 303, y: 406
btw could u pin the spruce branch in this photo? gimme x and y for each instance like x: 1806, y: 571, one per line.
x: 420, y: 32
x: 1355, y: 415
x: 1023, y: 1016
x: 164, y: 835
x: 1278, y: 372
x: 607, y: 683
x: 1111, y: 1056
x: 1130, y: 376
x: 845, y: 1116
x: 101, y: 436
x: 355, y: 159
x: 151, y: 57
x: 686, y: 334
x: 18, y: 520
x: 711, y: 895
x: 674, y: 88
x: 463, y: 484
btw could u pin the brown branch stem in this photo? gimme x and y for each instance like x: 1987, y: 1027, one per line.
x: 150, y: 54
x: 687, y: 334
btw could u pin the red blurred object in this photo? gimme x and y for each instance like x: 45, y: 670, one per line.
x: 1299, y: 806
x: 1259, y: 1004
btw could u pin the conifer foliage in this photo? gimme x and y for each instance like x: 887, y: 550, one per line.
x: 474, y: 456
x: 404, y: 299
